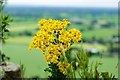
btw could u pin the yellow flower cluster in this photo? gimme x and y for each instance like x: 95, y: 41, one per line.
x: 72, y: 35
x: 52, y: 25
x: 53, y: 39
x: 63, y: 67
x: 41, y: 40
x: 51, y: 58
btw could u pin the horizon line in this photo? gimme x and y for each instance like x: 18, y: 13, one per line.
x: 9, y: 5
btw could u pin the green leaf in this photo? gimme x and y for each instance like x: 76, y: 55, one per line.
x: 11, y: 20
x: 105, y: 74
x: 6, y: 17
x: 6, y: 30
x: 3, y: 25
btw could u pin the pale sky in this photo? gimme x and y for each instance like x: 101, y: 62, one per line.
x: 66, y: 3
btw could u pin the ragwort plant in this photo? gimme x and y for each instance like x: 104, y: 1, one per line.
x: 54, y: 40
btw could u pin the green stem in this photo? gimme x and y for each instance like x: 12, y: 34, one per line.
x: 72, y: 75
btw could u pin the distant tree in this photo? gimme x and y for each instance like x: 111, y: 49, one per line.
x: 27, y: 33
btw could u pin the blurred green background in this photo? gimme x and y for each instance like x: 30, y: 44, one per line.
x: 98, y: 26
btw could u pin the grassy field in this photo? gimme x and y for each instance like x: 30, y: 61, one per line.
x: 34, y: 62
x: 19, y: 40
x: 100, y: 33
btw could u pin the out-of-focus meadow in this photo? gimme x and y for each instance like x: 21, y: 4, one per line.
x: 98, y: 26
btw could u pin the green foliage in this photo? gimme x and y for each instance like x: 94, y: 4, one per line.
x: 55, y: 72
x: 81, y: 62
x: 22, y: 70
x: 4, y: 57
x: 4, y: 22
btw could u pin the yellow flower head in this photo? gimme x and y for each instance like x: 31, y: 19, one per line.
x: 63, y: 66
